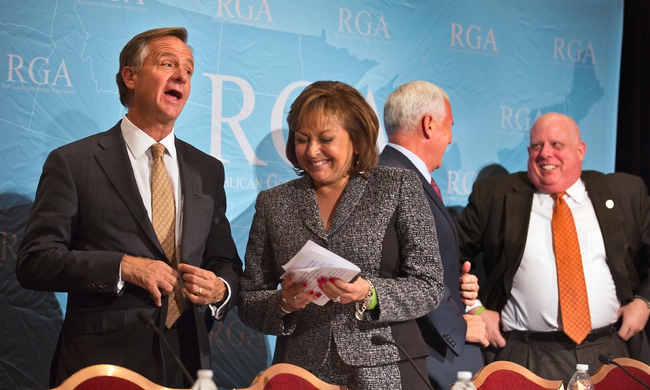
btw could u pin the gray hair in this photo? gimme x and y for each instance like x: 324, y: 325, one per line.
x: 406, y: 106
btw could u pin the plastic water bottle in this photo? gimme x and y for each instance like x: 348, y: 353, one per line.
x: 204, y: 381
x: 581, y: 379
x: 464, y: 381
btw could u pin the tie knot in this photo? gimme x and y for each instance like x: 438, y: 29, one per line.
x: 158, y: 150
x: 557, y: 196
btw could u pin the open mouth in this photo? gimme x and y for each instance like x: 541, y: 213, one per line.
x: 178, y: 95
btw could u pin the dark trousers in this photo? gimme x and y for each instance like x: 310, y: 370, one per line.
x: 183, y: 340
x: 557, y: 360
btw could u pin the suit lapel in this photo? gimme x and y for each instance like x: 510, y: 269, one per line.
x: 189, y: 196
x: 403, y: 162
x: 517, y: 207
x: 305, y: 197
x: 114, y: 161
x: 611, y: 227
x: 349, y: 201
x: 308, y: 207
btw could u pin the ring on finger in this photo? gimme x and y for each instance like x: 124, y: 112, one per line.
x: 337, y: 299
x: 295, y: 298
x: 198, y: 294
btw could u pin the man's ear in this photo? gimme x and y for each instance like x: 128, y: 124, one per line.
x: 427, y: 126
x: 129, y: 76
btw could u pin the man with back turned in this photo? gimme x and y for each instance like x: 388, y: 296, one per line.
x: 418, y: 121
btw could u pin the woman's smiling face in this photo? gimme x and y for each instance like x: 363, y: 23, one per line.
x: 324, y: 150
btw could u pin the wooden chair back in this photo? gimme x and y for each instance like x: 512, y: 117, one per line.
x: 108, y: 377
x: 611, y: 377
x: 504, y: 375
x: 283, y: 376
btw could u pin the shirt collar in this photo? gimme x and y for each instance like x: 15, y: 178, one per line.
x: 417, y: 161
x: 139, y: 142
x: 577, y: 192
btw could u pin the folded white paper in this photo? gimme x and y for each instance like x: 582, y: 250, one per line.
x: 313, y: 262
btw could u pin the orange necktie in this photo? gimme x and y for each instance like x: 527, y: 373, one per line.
x: 574, y: 303
x: 163, y: 219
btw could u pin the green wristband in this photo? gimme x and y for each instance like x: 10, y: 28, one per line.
x: 479, y: 311
x: 373, y: 300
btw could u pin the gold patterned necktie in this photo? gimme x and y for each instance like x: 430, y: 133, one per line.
x: 163, y: 218
x: 574, y: 303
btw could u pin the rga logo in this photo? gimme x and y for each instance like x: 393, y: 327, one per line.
x: 362, y: 23
x: 256, y: 12
x: 218, y: 120
x: 458, y: 184
x: 9, y: 245
x: 37, y: 74
x: 518, y: 119
x: 573, y: 51
x: 473, y: 38
x: 131, y: 5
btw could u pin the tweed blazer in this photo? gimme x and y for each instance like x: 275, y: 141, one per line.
x: 287, y: 216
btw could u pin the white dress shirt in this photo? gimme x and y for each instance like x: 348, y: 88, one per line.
x: 138, y: 145
x: 533, y: 304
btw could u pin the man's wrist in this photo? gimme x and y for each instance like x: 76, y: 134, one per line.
x: 644, y: 300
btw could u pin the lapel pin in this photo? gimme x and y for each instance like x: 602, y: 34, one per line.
x: 609, y: 204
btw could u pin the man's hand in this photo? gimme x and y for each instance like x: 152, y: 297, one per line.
x: 202, y: 287
x: 493, y: 325
x: 468, y: 285
x: 155, y: 276
x: 476, y: 330
x: 635, y: 316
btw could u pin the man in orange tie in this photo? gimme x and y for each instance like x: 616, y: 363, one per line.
x: 563, y: 251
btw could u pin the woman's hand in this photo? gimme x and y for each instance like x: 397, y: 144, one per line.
x: 296, y: 294
x: 342, y: 292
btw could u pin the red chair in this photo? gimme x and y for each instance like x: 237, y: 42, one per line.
x: 108, y: 377
x: 611, y: 377
x: 504, y: 375
x: 283, y: 376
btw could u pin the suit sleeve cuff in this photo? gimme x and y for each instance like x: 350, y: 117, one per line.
x: 219, y: 311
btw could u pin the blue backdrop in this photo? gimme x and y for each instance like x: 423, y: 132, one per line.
x: 502, y: 62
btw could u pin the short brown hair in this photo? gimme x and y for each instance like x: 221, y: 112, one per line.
x: 350, y: 108
x: 135, y: 51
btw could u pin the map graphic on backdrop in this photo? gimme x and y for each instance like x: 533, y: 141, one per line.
x: 502, y: 62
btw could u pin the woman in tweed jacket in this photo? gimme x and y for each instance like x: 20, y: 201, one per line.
x: 375, y: 217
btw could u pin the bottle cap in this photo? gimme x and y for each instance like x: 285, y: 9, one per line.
x: 582, y: 367
x: 205, y: 374
x: 464, y: 375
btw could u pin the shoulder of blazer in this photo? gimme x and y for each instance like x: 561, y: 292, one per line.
x: 104, y: 140
x: 503, y: 184
x: 191, y: 153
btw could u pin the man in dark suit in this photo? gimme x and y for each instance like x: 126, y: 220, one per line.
x: 90, y: 232
x: 509, y: 219
x: 418, y: 120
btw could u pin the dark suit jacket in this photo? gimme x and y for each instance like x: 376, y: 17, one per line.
x: 444, y: 329
x: 495, y: 222
x: 87, y: 214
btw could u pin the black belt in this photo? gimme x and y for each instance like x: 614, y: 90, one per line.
x: 560, y: 337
